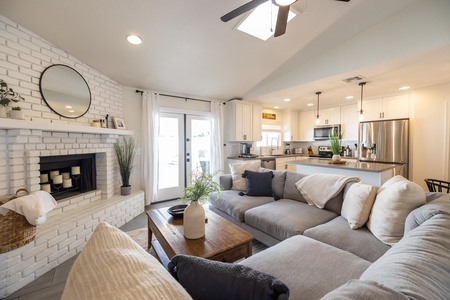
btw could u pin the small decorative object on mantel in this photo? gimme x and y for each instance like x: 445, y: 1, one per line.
x: 17, y: 113
x: 119, y: 123
x: 335, y: 144
x: 125, y: 148
x: 202, y: 184
x: 7, y: 95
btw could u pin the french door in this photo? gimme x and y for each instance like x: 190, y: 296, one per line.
x: 184, y: 147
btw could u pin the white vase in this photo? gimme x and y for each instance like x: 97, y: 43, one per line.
x: 17, y: 114
x: 194, y: 221
x: 336, y: 157
x: 3, y: 111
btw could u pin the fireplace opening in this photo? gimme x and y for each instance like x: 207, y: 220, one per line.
x: 65, y: 176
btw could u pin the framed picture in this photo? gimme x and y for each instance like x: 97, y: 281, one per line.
x: 119, y: 123
x: 269, y: 116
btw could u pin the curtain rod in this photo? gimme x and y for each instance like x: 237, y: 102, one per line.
x: 179, y: 97
x: 187, y: 98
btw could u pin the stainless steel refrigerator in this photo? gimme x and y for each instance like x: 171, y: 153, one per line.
x: 385, y: 142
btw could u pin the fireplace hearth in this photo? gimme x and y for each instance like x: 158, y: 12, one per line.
x: 65, y: 176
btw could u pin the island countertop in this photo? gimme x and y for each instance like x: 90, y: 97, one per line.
x: 350, y: 164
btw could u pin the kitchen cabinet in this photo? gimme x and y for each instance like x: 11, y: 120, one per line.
x: 306, y: 129
x: 290, y: 126
x: 328, y: 116
x: 243, y: 121
x: 280, y: 163
x: 350, y: 122
x: 393, y: 107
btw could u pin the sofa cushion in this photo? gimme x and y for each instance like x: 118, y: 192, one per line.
x: 234, y: 205
x: 278, y: 181
x: 360, y: 242
x: 358, y: 203
x: 392, y: 206
x: 237, y: 169
x: 113, y: 266
x: 366, y: 290
x: 425, y: 212
x: 285, y: 218
x: 309, y: 268
x: 418, y: 265
x: 207, y: 279
x: 290, y: 190
x: 258, y: 183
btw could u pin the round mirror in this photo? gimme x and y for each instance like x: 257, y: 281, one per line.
x: 65, y: 91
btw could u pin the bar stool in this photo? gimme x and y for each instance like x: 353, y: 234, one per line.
x: 436, y: 185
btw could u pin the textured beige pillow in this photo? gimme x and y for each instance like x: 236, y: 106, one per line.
x: 392, y: 206
x: 238, y: 169
x: 391, y: 181
x: 357, y: 204
x: 113, y: 266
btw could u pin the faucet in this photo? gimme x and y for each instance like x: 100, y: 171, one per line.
x: 271, y: 146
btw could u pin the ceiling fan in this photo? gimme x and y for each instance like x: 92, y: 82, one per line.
x: 283, y: 12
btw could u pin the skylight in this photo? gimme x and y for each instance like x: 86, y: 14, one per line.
x: 258, y: 22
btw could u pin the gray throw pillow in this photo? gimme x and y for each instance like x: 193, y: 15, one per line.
x: 278, y: 180
x: 206, y: 279
x: 258, y: 184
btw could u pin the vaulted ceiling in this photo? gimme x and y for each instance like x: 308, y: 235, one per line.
x: 188, y: 51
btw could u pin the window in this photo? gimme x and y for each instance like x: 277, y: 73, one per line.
x: 271, y: 136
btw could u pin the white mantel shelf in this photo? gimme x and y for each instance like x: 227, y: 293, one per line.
x: 59, y: 127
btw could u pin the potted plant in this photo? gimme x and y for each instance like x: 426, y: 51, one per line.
x: 125, y: 150
x: 17, y: 113
x: 7, y: 95
x: 335, y: 144
x: 202, y: 184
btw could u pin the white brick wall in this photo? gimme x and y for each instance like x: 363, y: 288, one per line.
x: 24, y: 55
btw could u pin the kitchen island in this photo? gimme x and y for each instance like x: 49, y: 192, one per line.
x: 371, y: 173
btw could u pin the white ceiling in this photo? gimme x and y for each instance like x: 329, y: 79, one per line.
x: 188, y: 51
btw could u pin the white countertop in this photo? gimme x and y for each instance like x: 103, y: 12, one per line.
x: 350, y: 164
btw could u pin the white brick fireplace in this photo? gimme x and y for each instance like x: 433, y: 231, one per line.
x: 71, y: 224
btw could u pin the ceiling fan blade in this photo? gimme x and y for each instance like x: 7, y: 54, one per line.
x: 242, y: 9
x: 282, y: 19
x: 343, y: 0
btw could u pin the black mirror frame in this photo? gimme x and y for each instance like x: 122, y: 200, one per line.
x: 46, y: 102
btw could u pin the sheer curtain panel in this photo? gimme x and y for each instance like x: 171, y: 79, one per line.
x: 217, y: 137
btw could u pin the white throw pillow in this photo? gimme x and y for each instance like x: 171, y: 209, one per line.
x: 237, y: 169
x: 358, y: 203
x: 391, y: 181
x: 392, y: 206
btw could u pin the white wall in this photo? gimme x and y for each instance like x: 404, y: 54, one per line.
x: 430, y: 132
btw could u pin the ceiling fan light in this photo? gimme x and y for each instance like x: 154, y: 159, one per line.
x: 284, y: 2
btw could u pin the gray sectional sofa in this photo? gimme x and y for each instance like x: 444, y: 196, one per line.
x: 316, y: 253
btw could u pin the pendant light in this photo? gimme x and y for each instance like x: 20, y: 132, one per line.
x: 318, y: 120
x: 361, y: 116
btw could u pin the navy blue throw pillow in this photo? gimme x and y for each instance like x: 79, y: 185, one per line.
x: 259, y: 184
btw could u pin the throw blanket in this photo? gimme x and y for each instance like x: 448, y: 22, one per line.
x: 318, y: 189
x: 34, y: 207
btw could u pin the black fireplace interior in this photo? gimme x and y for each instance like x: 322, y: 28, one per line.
x: 83, y: 182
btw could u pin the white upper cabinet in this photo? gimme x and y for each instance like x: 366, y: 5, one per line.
x: 330, y: 116
x: 290, y: 126
x: 350, y: 121
x: 307, y: 121
x: 393, y: 107
x: 242, y: 121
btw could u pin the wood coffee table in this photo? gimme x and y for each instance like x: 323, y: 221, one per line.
x: 223, y: 241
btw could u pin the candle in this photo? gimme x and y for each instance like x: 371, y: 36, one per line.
x: 76, y: 170
x: 57, y: 179
x: 67, y: 183
x: 65, y: 175
x: 53, y: 174
x: 45, y: 187
x: 44, y: 178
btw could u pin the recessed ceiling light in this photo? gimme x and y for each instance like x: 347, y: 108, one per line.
x: 349, y: 97
x: 404, y: 88
x: 134, y: 39
x: 259, y: 23
x: 310, y: 104
x: 287, y: 100
x: 276, y: 107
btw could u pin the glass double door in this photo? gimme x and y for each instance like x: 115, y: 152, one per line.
x: 184, y: 147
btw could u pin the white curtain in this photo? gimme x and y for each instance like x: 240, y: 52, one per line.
x: 150, y: 134
x: 217, y: 137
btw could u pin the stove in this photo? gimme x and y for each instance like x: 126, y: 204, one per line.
x: 325, y: 152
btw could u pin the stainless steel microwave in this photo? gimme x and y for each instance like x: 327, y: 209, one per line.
x: 322, y: 132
